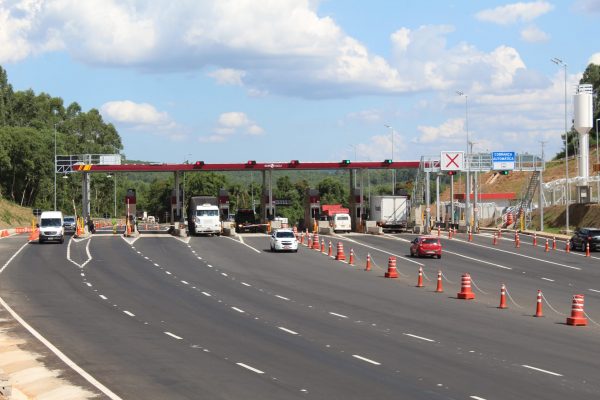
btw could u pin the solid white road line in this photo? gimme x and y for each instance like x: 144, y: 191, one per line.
x: 548, y: 279
x: 238, y: 309
x: 477, y: 259
x: 242, y: 242
x: 594, y: 290
x: 418, y: 337
x: 541, y: 370
x: 129, y: 313
x: 281, y: 297
x: 258, y: 371
x: 206, y: 294
x: 366, y: 359
x: 103, y: 297
x: 173, y: 336
x: 287, y: 330
x: 385, y: 251
x: 338, y: 315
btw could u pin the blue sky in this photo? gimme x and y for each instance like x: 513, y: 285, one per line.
x: 275, y: 80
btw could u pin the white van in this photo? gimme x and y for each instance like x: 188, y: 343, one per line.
x: 51, y: 226
x: 341, y: 223
x: 206, y: 220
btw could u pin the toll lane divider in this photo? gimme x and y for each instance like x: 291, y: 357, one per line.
x: 578, y: 315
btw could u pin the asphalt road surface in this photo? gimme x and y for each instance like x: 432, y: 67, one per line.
x: 224, y: 318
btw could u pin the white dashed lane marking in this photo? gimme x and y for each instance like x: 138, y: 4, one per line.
x: 418, y: 337
x: 129, y: 313
x: 288, y: 330
x: 366, y: 359
x: 594, y: 290
x: 338, y: 315
x: 185, y: 283
x: 281, y: 297
x: 258, y: 371
x: 541, y: 370
x: 206, y: 294
x: 237, y: 309
x: 173, y: 336
x: 548, y: 279
x: 103, y: 297
x: 246, y: 284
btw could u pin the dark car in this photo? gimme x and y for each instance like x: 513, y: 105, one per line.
x: 583, y: 236
x: 245, y: 221
x: 426, y: 246
x: 70, y: 224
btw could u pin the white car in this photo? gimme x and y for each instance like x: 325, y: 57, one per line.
x: 283, y: 239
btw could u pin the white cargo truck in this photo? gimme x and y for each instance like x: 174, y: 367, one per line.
x: 390, y: 212
x: 204, y: 216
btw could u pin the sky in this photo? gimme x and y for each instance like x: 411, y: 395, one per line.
x: 276, y: 80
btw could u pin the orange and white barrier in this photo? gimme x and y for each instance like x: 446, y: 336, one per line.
x: 340, y: 256
x: 316, y: 244
x: 577, y: 317
x: 391, y: 272
x: 538, y: 307
x: 502, y: 297
x: 465, y: 288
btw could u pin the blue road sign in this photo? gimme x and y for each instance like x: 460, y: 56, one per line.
x: 503, y: 160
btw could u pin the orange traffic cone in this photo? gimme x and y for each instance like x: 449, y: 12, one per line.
x: 439, y: 288
x: 340, y: 256
x: 495, y: 240
x: 368, y: 266
x: 470, y: 236
x: 5, y: 233
x: 439, y: 231
x: 450, y: 233
x: 330, y: 251
x: 420, y: 278
x: 587, y: 250
x: 547, y: 248
x: 577, y: 317
x: 538, y: 308
x: 502, y: 297
x: 351, y: 259
x: 568, y: 247
x: 310, y: 241
x: 554, y: 243
x: 534, y: 239
x: 391, y: 272
x: 316, y: 243
x: 323, y: 246
x: 518, y: 243
x: 465, y: 288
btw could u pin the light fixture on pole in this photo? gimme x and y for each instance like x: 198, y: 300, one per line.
x: 393, y: 170
x: 560, y: 63
x: 467, y: 161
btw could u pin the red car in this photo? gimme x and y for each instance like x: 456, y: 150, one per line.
x: 426, y: 246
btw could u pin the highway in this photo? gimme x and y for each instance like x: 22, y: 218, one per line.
x: 224, y: 318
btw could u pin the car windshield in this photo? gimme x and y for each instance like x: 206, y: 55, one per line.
x: 69, y: 220
x: 285, y: 234
x: 207, y: 213
x: 49, y: 222
x: 342, y: 218
x: 430, y: 241
x: 594, y: 232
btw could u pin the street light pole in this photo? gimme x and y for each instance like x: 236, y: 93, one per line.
x: 467, y: 162
x: 54, y: 167
x: 559, y: 62
x: 393, y: 170
x: 597, y: 162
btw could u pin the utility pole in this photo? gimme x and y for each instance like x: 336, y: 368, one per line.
x: 541, y: 190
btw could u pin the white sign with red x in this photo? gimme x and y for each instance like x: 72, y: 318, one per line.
x: 452, y: 160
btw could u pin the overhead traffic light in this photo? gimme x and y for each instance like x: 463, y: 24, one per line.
x: 387, y: 161
x: 250, y: 163
x: 504, y: 172
x: 451, y: 172
x: 345, y: 162
x: 198, y: 164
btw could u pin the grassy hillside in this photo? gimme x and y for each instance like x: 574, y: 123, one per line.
x: 12, y: 215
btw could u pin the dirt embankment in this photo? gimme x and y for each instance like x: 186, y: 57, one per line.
x: 13, y: 216
x: 580, y: 215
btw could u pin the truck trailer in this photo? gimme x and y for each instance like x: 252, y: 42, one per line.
x: 390, y: 212
x: 203, y: 215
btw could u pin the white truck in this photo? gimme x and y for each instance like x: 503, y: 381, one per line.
x: 203, y: 216
x: 390, y: 212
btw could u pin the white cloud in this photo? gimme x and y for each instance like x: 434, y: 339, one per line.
x: 379, y: 147
x: 232, y: 123
x: 141, y: 117
x: 594, y: 59
x: 516, y: 12
x: 369, y: 116
x: 228, y: 76
x: 451, y: 131
x: 533, y: 34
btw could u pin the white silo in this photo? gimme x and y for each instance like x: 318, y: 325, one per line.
x: 582, y: 101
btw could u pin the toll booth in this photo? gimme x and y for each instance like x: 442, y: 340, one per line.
x: 357, y: 210
x: 312, y: 207
x: 224, y: 204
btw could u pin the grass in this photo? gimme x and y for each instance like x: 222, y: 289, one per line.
x: 12, y: 215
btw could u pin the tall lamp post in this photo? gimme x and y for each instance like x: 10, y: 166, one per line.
x: 597, y: 162
x: 54, y: 167
x: 560, y: 63
x: 467, y: 162
x: 393, y: 170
